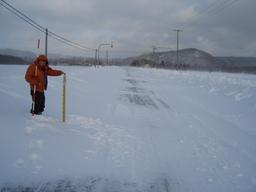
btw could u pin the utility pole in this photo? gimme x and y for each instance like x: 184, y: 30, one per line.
x: 46, y: 41
x: 154, y: 49
x: 177, y: 55
x: 95, y: 60
x: 107, y: 56
x: 100, y: 45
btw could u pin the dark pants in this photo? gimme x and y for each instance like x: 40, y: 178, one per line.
x: 39, y: 101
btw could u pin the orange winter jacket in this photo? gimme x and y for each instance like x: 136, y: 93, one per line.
x: 37, y: 76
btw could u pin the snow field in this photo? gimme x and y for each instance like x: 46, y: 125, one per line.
x: 131, y: 129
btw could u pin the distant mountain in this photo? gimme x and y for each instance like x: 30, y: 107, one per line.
x: 8, y: 59
x: 193, y: 59
x: 187, y: 57
x: 30, y: 54
x: 18, y: 53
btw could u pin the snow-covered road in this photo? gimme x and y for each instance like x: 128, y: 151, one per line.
x: 131, y: 129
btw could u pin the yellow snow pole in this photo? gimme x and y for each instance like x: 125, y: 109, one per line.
x: 64, y: 99
x: 34, y: 95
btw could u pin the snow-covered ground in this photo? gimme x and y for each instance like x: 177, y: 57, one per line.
x: 130, y: 129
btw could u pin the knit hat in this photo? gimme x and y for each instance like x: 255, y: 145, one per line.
x: 42, y: 58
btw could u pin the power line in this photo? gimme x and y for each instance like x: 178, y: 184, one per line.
x: 217, y: 6
x: 225, y: 6
x: 214, y: 8
x: 67, y: 43
x: 30, y: 21
x: 53, y: 35
x: 213, y: 5
x: 23, y: 15
x: 64, y: 39
x: 35, y: 26
x: 39, y: 27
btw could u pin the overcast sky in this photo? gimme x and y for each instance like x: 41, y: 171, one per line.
x: 220, y: 27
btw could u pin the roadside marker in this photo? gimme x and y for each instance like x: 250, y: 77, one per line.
x: 64, y: 99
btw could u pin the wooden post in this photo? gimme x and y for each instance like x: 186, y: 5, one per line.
x: 46, y: 42
x: 64, y: 99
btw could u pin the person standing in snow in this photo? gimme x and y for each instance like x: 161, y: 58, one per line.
x: 36, y: 76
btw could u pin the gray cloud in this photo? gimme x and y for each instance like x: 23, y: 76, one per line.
x: 134, y: 25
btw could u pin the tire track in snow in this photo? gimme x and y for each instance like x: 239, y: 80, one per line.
x: 154, y: 161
